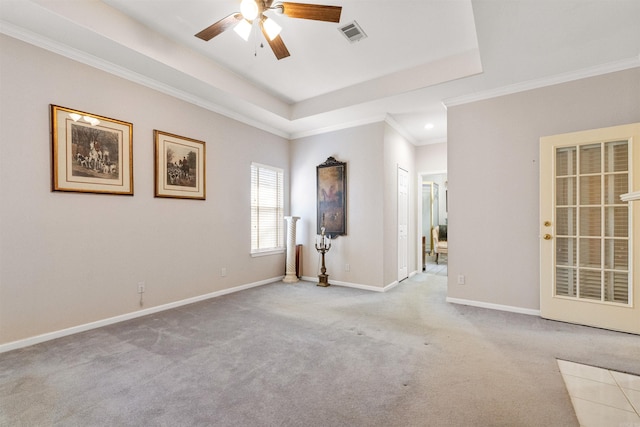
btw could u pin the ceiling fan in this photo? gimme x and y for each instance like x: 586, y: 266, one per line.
x: 251, y: 10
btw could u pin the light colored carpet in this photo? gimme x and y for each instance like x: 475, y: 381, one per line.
x: 301, y: 355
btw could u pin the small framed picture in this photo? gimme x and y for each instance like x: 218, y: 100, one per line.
x: 91, y: 153
x: 179, y: 166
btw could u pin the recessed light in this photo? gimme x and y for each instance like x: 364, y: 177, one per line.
x: 428, y: 126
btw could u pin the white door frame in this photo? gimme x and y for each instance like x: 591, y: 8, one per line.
x: 419, y: 230
x: 403, y: 224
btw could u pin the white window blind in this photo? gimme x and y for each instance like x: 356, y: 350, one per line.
x: 267, y: 209
x: 592, y: 223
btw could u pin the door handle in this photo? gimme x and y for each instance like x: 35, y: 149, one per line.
x: 547, y: 237
x: 547, y: 223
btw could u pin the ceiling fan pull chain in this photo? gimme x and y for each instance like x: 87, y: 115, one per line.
x: 255, y: 45
x: 255, y: 40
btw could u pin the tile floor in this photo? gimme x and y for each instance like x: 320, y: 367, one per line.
x: 600, y: 397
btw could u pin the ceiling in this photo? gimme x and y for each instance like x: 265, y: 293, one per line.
x: 418, y: 55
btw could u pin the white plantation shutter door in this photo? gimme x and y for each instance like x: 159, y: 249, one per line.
x: 592, y: 223
x: 589, y: 241
x: 267, y: 208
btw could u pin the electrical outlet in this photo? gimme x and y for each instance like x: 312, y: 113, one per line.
x: 460, y: 279
x: 223, y: 272
x: 140, y: 287
x: 347, y: 267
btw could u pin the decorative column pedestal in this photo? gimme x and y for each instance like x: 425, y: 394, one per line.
x: 290, y: 276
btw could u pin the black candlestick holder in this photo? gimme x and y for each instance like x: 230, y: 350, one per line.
x: 323, y: 247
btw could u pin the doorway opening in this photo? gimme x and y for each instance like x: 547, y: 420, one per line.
x: 433, y: 223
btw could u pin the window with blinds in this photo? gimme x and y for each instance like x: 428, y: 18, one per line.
x: 592, y: 223
x: 267, y: 209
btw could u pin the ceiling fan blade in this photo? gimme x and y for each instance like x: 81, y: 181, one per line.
x: 277, y: 45
x: 219, y: 27
x: 317, y: 12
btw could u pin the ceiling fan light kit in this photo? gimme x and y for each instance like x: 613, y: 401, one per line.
x: 250, y: 10
x: 272, y: 28
x: 243, y: 29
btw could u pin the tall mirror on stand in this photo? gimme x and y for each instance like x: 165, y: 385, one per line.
x: 430, y: 216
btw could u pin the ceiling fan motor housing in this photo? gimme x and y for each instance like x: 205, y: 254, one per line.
x: 278, y: 8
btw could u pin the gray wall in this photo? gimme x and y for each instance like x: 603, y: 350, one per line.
x: 493, y: 179
x: 372, y: 153
x: 67, y: 259
x: 70, y: 259
x: 431, y: 158
x: 398, y: 153
x: 361, y: 149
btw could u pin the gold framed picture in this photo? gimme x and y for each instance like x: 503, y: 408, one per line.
x: 331, y: 192
x: 179, y: 166
x: 91, y: 153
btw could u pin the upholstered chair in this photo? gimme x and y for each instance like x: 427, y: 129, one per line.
x: 439, y: 246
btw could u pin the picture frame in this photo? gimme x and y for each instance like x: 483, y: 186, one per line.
x: 180, y: 166
x: 331, y: 193
x: 90, y: 153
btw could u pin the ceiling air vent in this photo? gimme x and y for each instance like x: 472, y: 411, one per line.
x: 353, y: 32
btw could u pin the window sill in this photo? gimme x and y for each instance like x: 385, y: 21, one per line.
x: 267, y: 252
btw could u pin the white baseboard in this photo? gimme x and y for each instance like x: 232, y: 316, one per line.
x: 491, y: 306
x: 391, y: 285
x: 352, y: 285
x: 14, y: 345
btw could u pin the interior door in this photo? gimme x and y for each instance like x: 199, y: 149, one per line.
x: 403, y: 221
x: 590, y: 247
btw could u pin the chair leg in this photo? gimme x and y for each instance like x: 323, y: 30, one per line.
x: 437, y: 255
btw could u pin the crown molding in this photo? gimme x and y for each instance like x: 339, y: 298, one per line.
x: 376, y: 118
x: 398, y: 128
x: 66, y: 51
x: 116, y: 70
x: 432, y: 141
x: 341, y: 126
x: 610, y: 67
